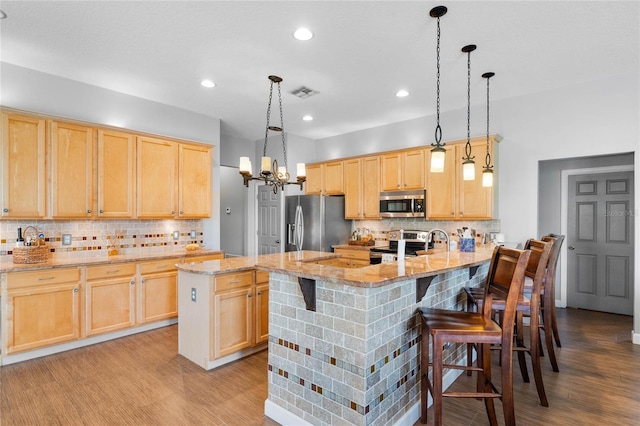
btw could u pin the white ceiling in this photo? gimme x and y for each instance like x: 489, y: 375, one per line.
x: 362, y: 53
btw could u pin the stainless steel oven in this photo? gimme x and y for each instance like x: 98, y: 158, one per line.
x: 403, y: 204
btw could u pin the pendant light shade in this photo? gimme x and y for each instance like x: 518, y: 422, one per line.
x: 468, y: 165
x: 438, y: 151
x: 487, y: 172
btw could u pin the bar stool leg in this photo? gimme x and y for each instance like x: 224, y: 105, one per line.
x: 535, y: 357
x: 436, y: 383
x: 484, y: 377
x: 424, y: 373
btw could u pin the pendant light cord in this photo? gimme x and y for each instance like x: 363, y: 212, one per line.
x: 438, y: 135
x: 488, y: 156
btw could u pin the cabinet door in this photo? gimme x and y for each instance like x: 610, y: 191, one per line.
x: 390, y: 171
x: 156, y: 178
x: 370, y: 188
x: 333, y: 178
x: 413, y: 169
x: 262, y: 313
x: 22, y: 167
x: 194, y: 181
x: 441, y: 188
x: 116, y: 174
x: 313, y: 184
x: 353, y: 188
x: 233, y: 321
x: 476, y: 201
x: 71, y: 170
x: 158, y: 294
x: 109, y: 298
x: 42, y: 316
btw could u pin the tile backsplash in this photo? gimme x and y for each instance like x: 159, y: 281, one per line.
x: 90, y: 238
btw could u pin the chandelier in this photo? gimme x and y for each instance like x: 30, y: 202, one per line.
x: 270, y: 173
x: 468, y: 165
x: 438, y: 151
x: 487, y: 171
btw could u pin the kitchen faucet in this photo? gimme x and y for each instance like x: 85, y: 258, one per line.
x: 434, y: 230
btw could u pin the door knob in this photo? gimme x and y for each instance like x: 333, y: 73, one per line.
x: 277, y: 241
x: 571, y: 248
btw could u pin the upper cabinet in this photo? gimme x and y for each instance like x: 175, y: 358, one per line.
x: 452, y: 198
x: 403, y: 170
x: 325, y: 178
x: 362, y: 188
x: 71, y: 170
x: 194, y: 181
x: 22, y: 167
x: 157, y: 166
x: 116, y: 174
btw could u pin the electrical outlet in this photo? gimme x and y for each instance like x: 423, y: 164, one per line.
x: 193, y: 294
x: 66, y: 239
x: 192, y: 234
x: 176, y: 235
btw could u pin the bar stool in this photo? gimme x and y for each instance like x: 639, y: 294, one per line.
x: 535, y: 272
x: 504, y: 281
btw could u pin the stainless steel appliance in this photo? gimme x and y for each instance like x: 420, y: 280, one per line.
x: 403, y: 204
x: 414, y: 241
x: 315, y: 222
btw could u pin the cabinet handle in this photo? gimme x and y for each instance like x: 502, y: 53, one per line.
x: 113, y: 271
x: 143, y: 281
x: 132, y: 282
x: 180, y: 211
x: 161, y: 266
x: 259, y: 293
x: 45, y: 278
x: 173, y: 212
x: 249, y: 295
x: 6, y: 210
x: 89, y: 211
x: 75, y: 290
x: 101, y: 211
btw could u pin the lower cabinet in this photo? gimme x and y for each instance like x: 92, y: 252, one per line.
x: 110, y: 298
x: 43, y: 309
x: 352, y: 258
x: 262, y: 306
x: 158, y: 292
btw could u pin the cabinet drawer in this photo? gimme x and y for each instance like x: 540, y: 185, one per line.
x: 165, y: 265
x: 198, y: 259
x: 233, y: 281
x: 354, y: 254
x: 44, y: 277
x: 262, y: 276
x: 109, y: 271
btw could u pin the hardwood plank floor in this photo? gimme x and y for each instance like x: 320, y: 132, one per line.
x: 140, y: 380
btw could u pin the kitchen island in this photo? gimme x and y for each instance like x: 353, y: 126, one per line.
x: 344, y: 343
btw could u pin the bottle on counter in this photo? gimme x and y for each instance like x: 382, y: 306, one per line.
x: 20, y: 240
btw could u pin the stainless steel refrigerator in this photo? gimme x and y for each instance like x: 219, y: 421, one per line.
x: 316, y: 220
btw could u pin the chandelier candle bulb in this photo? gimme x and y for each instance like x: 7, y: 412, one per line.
x: 266, y: 165
x: 301, y: 170
x: 468, y: 170
x: 437, y: 161
x: 245, y: 165
x: 282, y: 171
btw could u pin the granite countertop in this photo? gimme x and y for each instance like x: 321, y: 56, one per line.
x: 303, y: 265
x: 8, y: 265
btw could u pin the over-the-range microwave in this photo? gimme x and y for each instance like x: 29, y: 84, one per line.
x: 403, y: 204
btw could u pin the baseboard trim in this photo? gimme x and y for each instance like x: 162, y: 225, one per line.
x: 635, y: 337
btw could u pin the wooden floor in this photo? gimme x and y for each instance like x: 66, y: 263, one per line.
x: 140, y: 380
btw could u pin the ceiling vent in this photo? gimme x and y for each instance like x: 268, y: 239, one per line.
x: 303, y: 92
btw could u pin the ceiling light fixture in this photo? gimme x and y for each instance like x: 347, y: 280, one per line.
x: 468, y: 166
x: 438, y: 151
x: 402, y: 93
x: 303, y: 34
x: 207, y: 83
x: 487, y: 171
x: 270, y: 173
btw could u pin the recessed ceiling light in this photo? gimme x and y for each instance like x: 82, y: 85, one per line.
x: 402, y: 93
x: 307, y: 118
x: 207, y: 83
x: 303, y: 34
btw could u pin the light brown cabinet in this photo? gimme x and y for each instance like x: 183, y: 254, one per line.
x: 43, y: 309
x: 22, y: 167
x: 452, y: 198
x: 362, y: 188
x: 262, y: 307
x: 353, y: 258
x: 403, y: 170
x: 71, y: 171
x: 194, y: 181
x: 325, y: 178
x: 203, y: 258
x: 158, y: 290
x: 116, y: 174
x: 109, y: 298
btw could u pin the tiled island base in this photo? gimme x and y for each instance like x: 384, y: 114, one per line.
x: 355, y: 360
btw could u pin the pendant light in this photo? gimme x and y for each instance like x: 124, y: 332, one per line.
x: 270, y: 173
x: 468, y: 166
x: 487, y: 172
x: 438, y: 151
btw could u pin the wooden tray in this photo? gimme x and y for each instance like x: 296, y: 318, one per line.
x: 361, y: 243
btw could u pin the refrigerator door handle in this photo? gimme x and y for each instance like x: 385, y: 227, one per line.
x: 299, y: 228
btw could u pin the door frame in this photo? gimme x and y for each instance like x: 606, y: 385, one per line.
x: 564, y: 210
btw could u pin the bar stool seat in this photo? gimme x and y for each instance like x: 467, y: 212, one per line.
x: 504, y: 281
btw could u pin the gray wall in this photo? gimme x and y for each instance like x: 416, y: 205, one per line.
x: 233, y: 224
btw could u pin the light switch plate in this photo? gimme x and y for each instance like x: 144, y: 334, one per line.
x: 66, y: 239
x: 192, y: 234
x: 193, y: 294
x: 176, y: 235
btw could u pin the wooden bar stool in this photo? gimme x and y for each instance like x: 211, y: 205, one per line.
x: 504, y: 281
x: 535, y: 272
